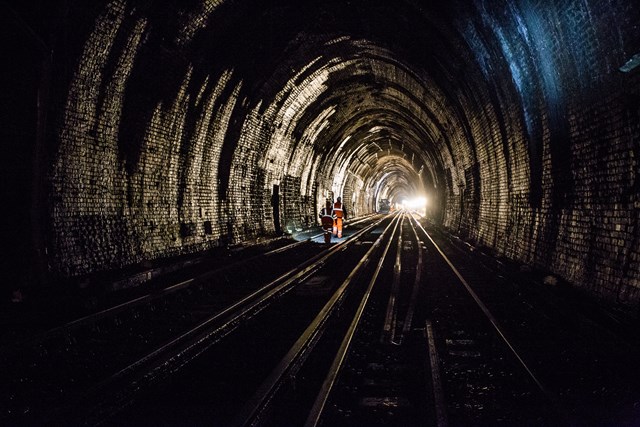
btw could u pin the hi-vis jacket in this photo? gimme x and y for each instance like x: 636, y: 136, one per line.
x: 324, y: 212
x: 326, y: 217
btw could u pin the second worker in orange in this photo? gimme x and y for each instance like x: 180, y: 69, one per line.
x: 340, y: 214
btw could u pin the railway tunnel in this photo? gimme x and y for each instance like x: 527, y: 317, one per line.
x: 141, y: 137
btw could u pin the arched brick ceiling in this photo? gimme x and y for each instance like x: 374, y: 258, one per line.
x: 181, y: 114
x: 368, y: 66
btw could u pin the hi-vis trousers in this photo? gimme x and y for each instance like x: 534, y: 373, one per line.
x: 337, y: 227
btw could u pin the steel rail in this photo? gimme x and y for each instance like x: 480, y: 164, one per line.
x: 151, y: 296
x: 436, y: 381
x: 199, y: 338
x: 550, y: 396
x: 494, y: 322
x: 325, y: 390
x: 406, y: 326
x: 501, y: 270
x: 389, y: 326
x: 254, y: 408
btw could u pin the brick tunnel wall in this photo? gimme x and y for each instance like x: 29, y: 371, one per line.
x: 541, y: 165
x: 552, y: 178
x: 150, y: 187
x: 153, y: 166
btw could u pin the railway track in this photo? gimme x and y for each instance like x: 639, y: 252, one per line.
x: 427, y: 335
x: 289, y: 335
x: 484, y: 377
x: 459, y: 368
x: 363, y: 353
x: 394, y: 326
x: 48, y: 372
x: 587, y: 366
x: 378, y: 377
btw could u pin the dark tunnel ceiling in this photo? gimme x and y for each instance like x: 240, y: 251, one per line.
x: 386, y: 59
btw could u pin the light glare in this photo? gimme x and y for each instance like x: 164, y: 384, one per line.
x: 415, y: 203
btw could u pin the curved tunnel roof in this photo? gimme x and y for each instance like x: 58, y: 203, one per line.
x: 183, y: 125
x: 360, y: 83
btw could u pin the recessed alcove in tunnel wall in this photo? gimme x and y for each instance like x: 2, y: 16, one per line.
x: 165, y: 129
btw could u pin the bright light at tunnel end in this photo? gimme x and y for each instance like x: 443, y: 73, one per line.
x: 415, y: 204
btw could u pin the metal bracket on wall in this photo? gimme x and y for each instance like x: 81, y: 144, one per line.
x: 631, y: 63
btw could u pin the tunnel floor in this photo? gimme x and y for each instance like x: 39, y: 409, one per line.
x: 423, y: 338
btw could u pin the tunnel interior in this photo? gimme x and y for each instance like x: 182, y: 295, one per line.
x: 141, y: 132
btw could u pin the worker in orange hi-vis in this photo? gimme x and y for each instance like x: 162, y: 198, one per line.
x: 340, y: 214
x: 326, y: 218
